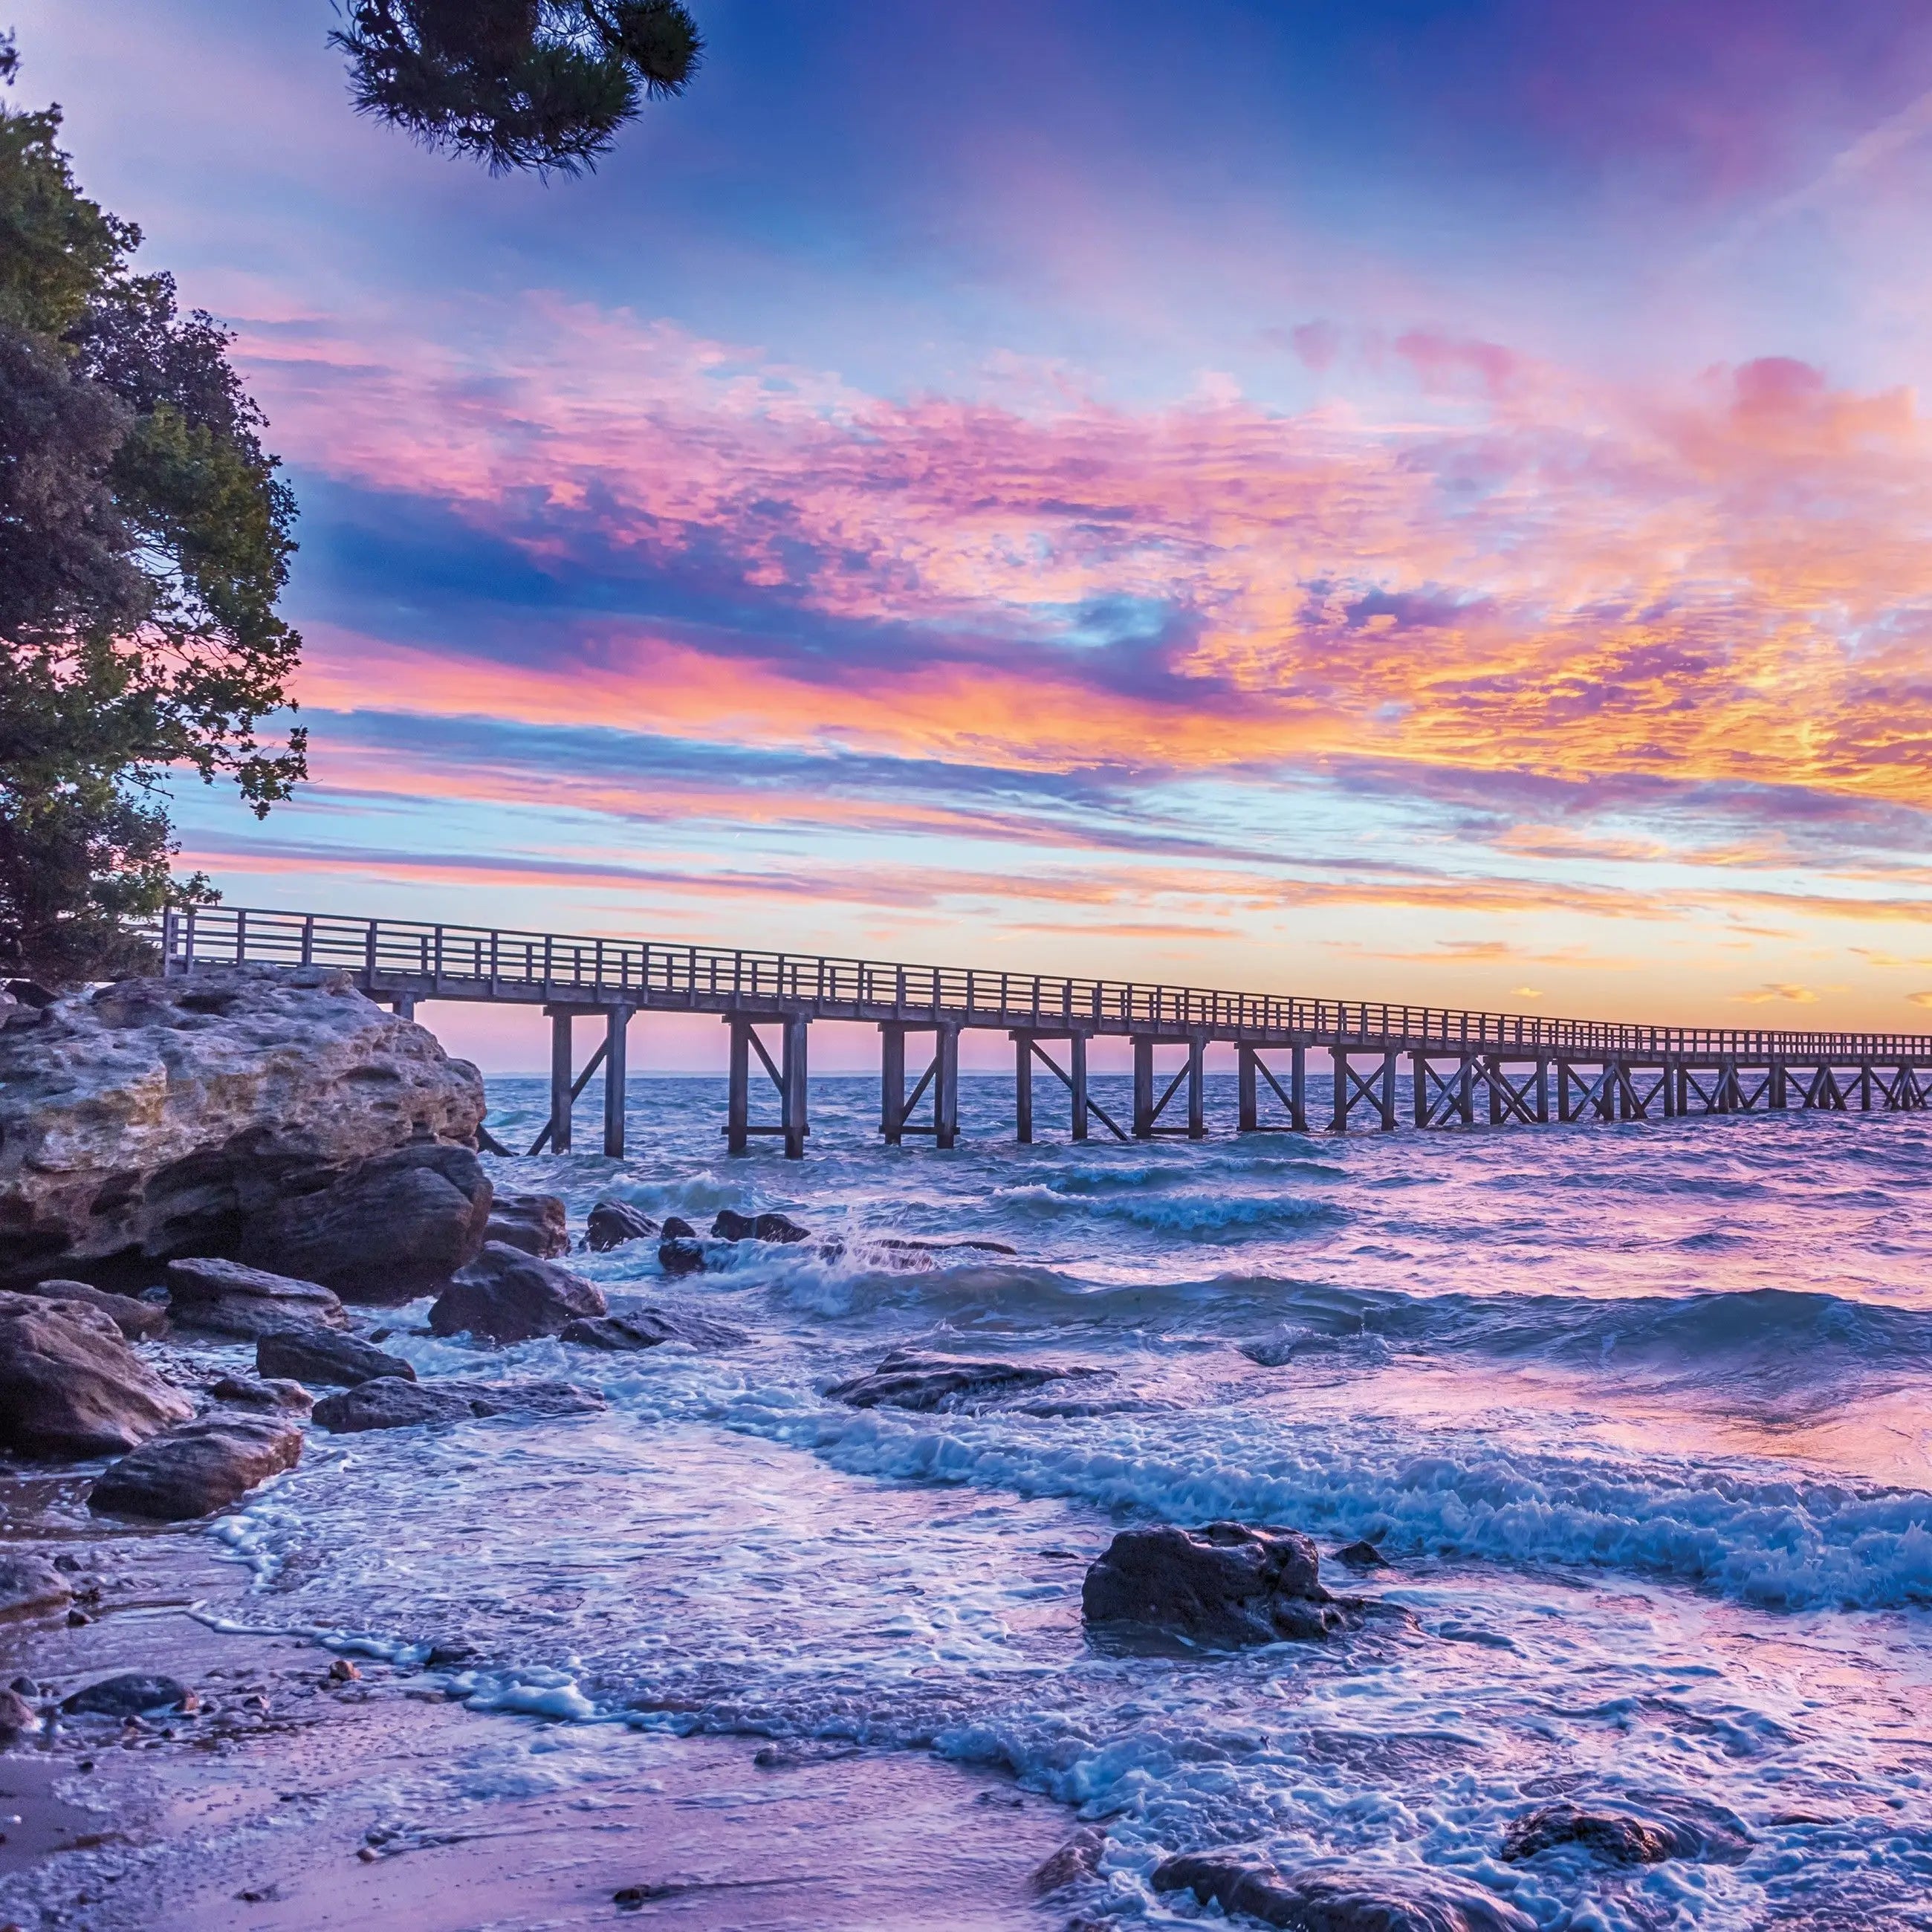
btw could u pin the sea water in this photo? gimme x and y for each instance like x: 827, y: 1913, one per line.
x: 1640, y: 1413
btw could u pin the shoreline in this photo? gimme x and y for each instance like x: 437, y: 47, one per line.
x: 298, y: 1801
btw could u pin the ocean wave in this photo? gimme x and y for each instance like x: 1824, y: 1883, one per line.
x: 1195, y: 1214
x: 1781, y: 1542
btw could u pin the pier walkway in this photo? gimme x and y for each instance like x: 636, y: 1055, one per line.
x: 1434, y: 1066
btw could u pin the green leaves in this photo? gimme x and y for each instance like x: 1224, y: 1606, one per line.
x: 145, y: 540
x: 538, y: 84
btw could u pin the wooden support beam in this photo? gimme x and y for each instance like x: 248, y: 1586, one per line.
x: 1247, y: 1112
x: 616, y: 1027
x: 1197, y: 1086
x: 792, y: 1086
x: 561, y: 1092
x: 1542, y: 1092
x: 546, y: 1137
x: 403, y: 1005
x: 1386, y: 1102
x: 1023, y: 1053
x: 1864, y: 1087
x: 1338, y: 1122
x: 946, y: 1092
x: 1076, y: 1062
x: 892, y: 1083
x: 738, y: 1093
x: 1418, y: 1076
x: 1143, y: 1109
x: 1492, y: 1071
x: 1779, y: 1099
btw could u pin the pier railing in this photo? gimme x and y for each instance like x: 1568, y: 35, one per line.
x: 467, y: 962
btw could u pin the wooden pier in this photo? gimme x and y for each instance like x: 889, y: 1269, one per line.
x: 1454, y: 1068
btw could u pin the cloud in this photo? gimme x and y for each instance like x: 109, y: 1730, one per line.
x: 1802, y: 996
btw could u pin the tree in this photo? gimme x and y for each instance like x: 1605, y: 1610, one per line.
x: 538, y: 84
x: 145, y: 539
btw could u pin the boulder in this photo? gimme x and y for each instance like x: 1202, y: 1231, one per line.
x: 1363, y: 1555
x: 1224, y: 1584
x: 270, y: 1393
x: 1340, y: 1898
x: 16, y: 1715
x: 680, y: 1254
x: 636, y: 1327
x: 612, y: 1223
x: 71, y: 1386
x: 730, y: 1225
x: 133, y: 1694
x: 30, y: 1583
x: 231, y: 1299
x: 139, y: 1321
x: 386, y: 1230
x: 155, y: 1116
x: 1074, y: 1863
x: 905, y: 1380
x: 194, y: 1471
x: 534, y: 1223
x: 1667, y: 1826
x: 505, y: 1295
x: 386, y: 1403
x: 318, y: 1355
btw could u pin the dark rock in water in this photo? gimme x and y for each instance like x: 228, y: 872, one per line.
x: 29, y: 1583
x: 680, y: 1254
x: 534, y: 1223
x: 1223, y: 1585
x: 155, y: 1118
x: 71, y: 1386
x: 388, y: 1404
x: 16, y: 1715
x: 132, y: 1694
x: 320, y: 1357
x: 1346, y: 1898
x: 196, y: 1470
x: 231, y: 1299
x: 677, y: 1228
x: 732, y: 1226
x: 390, y: 1228
x: 899, y: 1244
x: 1363, y: 1555
x: 628, y: 1328
x: 535, y: 1399
x: 612, y: 1223
x: 139, y: 1321
x: 905, y: 1380
x: 1676, y: 1827
x: 270, y: 1393
x: 1074, y: 1860
x: 505, y: 1295
x: 454, y: 1650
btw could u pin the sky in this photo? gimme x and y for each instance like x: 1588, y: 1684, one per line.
x: 1415, y: 501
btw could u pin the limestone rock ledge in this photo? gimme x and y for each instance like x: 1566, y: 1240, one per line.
x: 155, y: 1118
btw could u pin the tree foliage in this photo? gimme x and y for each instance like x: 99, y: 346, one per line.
x: 538, y: 84
x: 145, y: 538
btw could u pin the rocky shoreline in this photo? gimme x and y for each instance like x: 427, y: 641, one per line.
x: 215, y: 1194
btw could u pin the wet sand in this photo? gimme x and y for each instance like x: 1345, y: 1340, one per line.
x: 293, y: 1802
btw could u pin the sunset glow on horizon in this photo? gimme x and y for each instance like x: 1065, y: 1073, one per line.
x: 1435, y: 505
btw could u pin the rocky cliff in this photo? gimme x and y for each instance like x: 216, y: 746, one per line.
x: 156, y: 1118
